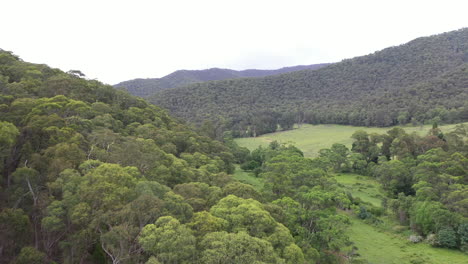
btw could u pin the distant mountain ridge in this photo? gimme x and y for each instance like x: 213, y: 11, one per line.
x: 422, y: 81
x: 147, y: 87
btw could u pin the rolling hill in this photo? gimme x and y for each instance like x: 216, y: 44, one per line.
x: 147, y: 87
x: 422, y: 81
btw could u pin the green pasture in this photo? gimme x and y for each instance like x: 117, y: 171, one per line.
x: 364, y: 187
x: 311, y: 138
x: 248, y: 178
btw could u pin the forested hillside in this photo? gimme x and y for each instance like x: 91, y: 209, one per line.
x: 91, y: 174
x: 147, y: 87
x: 423, y: 81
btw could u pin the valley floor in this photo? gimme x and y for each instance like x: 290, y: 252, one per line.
x: 312, y: 138
x: 375, y: 244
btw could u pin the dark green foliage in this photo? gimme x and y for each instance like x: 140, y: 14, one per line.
x: 463, y: 235
x: 363, y: 213
x: 147, y: 87
x: 446, y: 237
x: 423, y: 81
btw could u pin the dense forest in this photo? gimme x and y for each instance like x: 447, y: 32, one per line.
x: 423, y: 81
x: 91, y: 174
x: 148, y: 87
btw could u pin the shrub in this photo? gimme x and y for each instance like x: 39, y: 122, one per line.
x: 446, y: 237
x: 463, y: 234
x: 250, y: 165
x: 363, y: 213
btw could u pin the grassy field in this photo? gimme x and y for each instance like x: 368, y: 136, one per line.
x: 380, y: 244
x: 374, y: 244
x: 377, y: 246
x: 248, y: 178
x: 366, y: 188
x: 311, y: 138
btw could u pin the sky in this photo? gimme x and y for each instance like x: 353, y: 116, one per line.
x: 114, y: 41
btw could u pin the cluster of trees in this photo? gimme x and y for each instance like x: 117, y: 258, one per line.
x: 148, y: 87
x: 304, y: 196
x: 423, y: 81
x: 425, y: 178
x: 92, y: 174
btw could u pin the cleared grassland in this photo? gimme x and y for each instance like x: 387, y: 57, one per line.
x: 248, y: 178
x: 312, y: 138
x: 366, y: 188
x: 378, y: 245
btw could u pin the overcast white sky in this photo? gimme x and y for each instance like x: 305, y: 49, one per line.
x: 113, y: 41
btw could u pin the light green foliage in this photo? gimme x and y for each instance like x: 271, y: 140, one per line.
x: 153, y: 260
x: 429, y: 217
x: 169, y: 241
x: 241, y: 190
x: 204, y: 222
x: 91, y: 166
x: 244, y: 214
x: 199, y: 195
x: 234, y: 248
x: 293, y: 254
x: 30, y: 255
x: 176, y: 206
x: 53, y: 221
x: 108, y: 187
x: 15, y: 228
x: 8, y: 134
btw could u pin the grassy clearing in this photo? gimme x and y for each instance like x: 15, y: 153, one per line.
x: 248, y: 178
x: 366, y: 188
x: 381, y: 247
x: 378, y: 245
x: 311, y: 138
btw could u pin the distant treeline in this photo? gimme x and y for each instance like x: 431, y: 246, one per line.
x: 148, y: 87
x: 423, y: 81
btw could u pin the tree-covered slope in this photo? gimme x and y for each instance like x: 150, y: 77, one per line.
x: 425, y: 79
x: 147, y: 87
x: 90, y: 174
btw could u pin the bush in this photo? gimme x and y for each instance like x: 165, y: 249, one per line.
x: 363, y: 213
x: 250, y: 165
x: 446, y: 237
x: 463, y: 234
